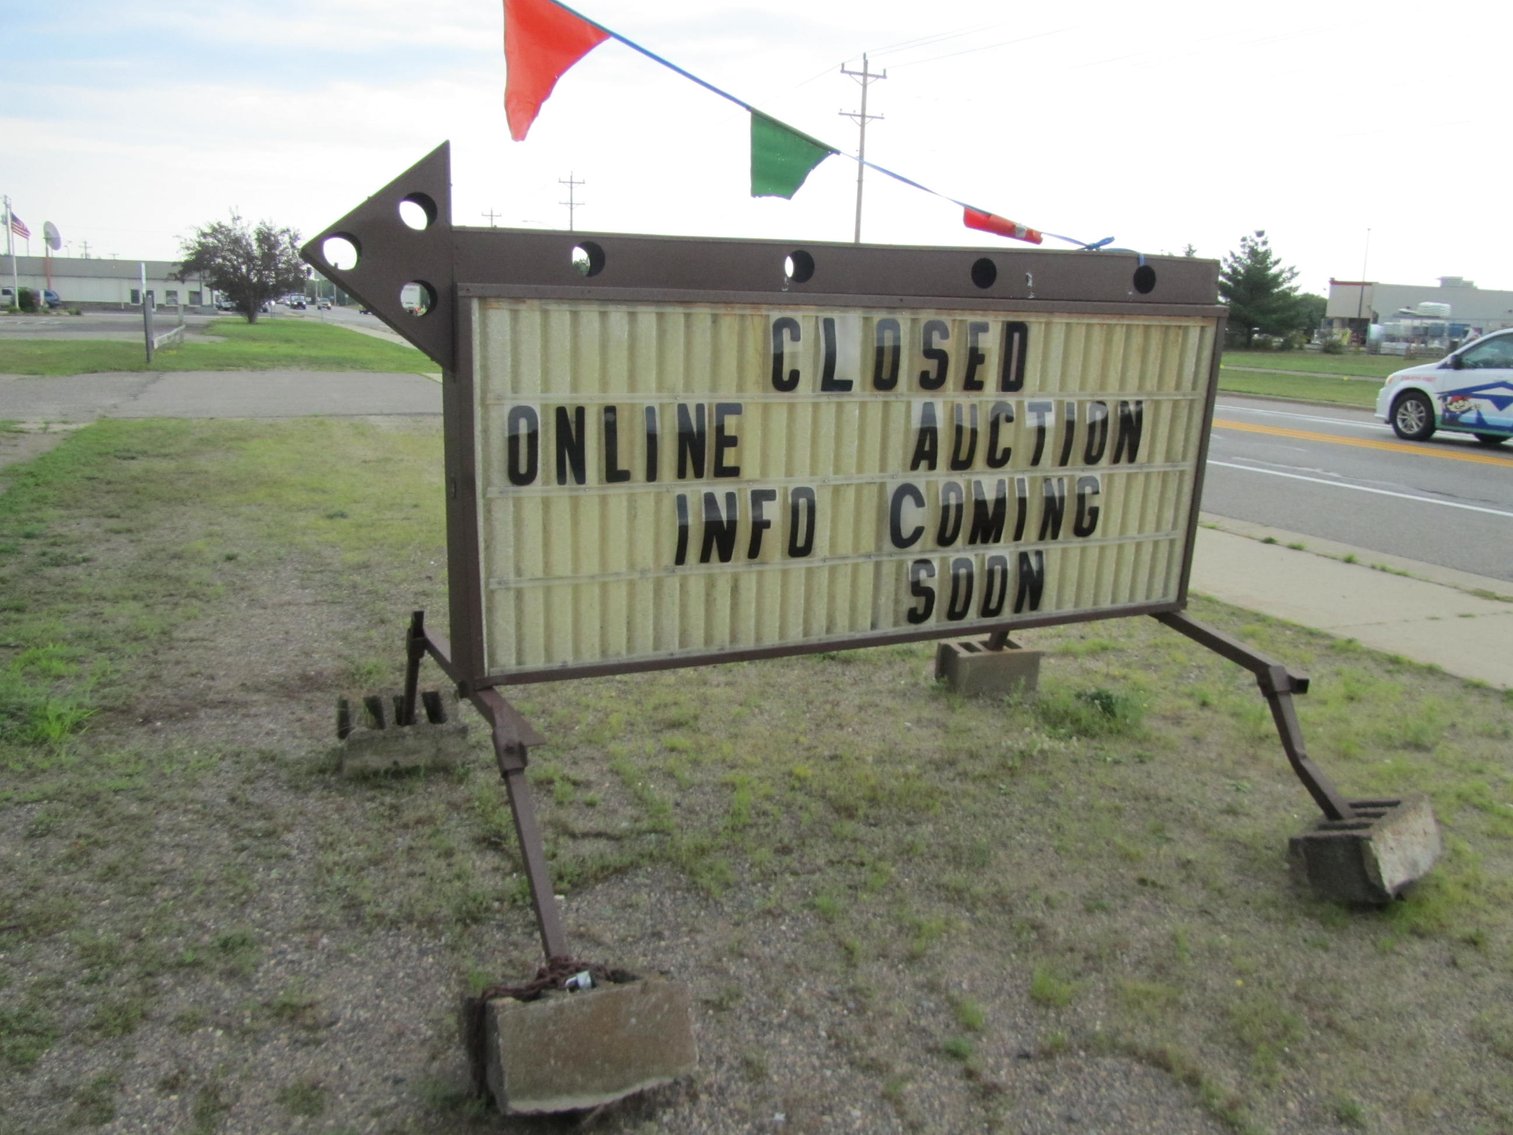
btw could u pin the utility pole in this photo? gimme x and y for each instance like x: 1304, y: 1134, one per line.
x: 491, y: 215
x: 860, y: 117
x: 572, y: 202
x: 1360, y: 300
x: 85, y: 243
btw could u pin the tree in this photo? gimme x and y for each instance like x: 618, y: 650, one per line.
x: 249, y: 266
x: 1310, y: 313
x: 1258, y: 290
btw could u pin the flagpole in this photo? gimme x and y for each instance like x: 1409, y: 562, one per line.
x: 10, y: 247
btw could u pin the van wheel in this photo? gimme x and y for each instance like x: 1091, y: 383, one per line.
x: 1491, y: 439
x: 1413, y: 417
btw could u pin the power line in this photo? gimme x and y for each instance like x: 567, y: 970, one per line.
x: 926, y: 41
x: 975, y: 50
x: 923, y: 41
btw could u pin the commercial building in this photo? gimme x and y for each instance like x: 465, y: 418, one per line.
x: 102, y: 284
x: 1399, y: 316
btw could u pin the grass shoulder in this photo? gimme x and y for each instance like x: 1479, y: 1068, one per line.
x: 232, y: 344
x: 1305, y: 376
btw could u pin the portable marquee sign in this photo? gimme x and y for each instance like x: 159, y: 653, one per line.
x: 671, y: 451
x: 666, y: 452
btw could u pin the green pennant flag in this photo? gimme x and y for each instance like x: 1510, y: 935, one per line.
x: 781, y: 158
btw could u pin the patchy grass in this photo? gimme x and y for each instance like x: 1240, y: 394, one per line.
x: 1048, y: 988
x: 1336, y: 390
x: 1308, y: 376
x: 269, y: 344
x: 851, y: 866
x: 1354, y: 364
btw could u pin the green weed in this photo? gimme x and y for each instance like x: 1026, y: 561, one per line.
x: 305, y: 1098
x: 1098, y: 712
x: 27, y: 1030
x: 1350, y: 1112
x: 1050, y: 989
x: 119, y: 1016
x: 970, y: 1014
x: 237, y: 951
x: 958, y: 1048
x: 1266, y: 1029
x: 210, y: 1107
x: 94, y: 1102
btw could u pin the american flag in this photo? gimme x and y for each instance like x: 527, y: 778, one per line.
x: 18, y: 226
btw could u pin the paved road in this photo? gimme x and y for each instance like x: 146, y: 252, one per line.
x: 115, y: 325
x: 1339, y: 474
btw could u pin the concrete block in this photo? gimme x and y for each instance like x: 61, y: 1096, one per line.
x: 970, y: 668
x: 569, y: 1051
x: 371, y: 740
x: 1370, y: 860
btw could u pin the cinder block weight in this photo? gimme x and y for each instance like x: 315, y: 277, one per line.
x: 969, y: 667
x: 570, y: 1051
x: 1371, y: 859
x: 372, y: 740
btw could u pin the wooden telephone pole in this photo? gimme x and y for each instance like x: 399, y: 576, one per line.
x: 860, y: 117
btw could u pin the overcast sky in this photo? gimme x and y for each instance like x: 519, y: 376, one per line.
x: 1165, y: 125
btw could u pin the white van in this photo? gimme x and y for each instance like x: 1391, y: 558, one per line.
x: 1469, y: 391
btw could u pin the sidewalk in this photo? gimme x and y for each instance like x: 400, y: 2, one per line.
x: 1446, y: 618
x: 216, y: 394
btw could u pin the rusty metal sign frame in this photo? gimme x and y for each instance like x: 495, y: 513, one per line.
x: 404, y: 238
x: 404, y: 241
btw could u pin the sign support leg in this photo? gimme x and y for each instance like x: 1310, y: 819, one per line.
x: 1278, y: 684
x: 513, y: 736
x: 1363, y: 852
x: 510, y: 754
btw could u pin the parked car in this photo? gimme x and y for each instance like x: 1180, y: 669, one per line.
x: 1469, y: 391
x: 50, y: 298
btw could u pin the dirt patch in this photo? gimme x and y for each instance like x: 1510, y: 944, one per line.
x: 23, y: 443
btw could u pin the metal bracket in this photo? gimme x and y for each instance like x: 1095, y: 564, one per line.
x: 1278, y: 684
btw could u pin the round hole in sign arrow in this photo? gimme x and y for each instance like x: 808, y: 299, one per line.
x: 341, y: 252
x: 417, y: 297
x: 418, y: 211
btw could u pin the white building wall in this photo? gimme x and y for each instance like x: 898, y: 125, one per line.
x: 104, y: 283
x: 1486, y: 310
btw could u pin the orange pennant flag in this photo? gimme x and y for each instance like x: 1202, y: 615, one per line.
x: 541, y: 41
x: 993, y: 223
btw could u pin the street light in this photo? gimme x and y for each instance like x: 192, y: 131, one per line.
x: 1360, y: 297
